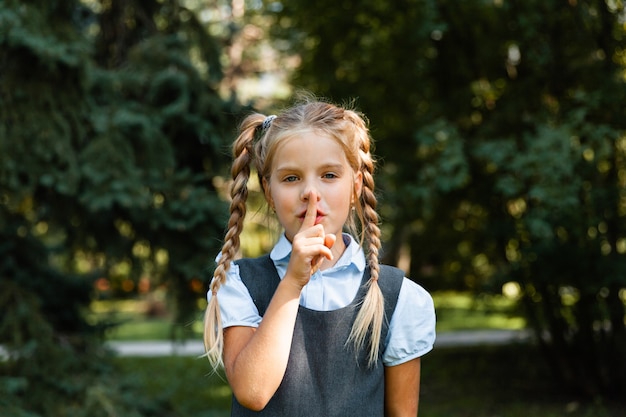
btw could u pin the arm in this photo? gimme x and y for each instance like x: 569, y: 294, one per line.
x: 255, y: 360
x: 402, y: 387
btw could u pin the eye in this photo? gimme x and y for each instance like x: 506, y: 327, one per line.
x: 290, y: 178
x: 330, y: 175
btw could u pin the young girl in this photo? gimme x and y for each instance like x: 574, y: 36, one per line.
x: 317, y: 327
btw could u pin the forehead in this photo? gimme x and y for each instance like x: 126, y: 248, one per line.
x: 308, y: 148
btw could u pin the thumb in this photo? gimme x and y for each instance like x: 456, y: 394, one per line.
x: 329, y: 240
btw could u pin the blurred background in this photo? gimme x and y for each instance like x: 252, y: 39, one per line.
x: 500, y: 130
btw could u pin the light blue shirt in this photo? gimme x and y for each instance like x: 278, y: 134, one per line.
x: 412, y: 325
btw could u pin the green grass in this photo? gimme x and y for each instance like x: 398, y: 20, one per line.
x: 497, y: 381
x: 465, y: 311
x: 503, y: 381
x: 136, y: 320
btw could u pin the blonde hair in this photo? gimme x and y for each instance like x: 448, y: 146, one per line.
x: 255, y: 145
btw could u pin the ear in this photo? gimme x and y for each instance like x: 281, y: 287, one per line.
x: 266, y: 190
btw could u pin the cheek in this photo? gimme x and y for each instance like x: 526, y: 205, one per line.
x: 344, y: 198
x: 281, y: 197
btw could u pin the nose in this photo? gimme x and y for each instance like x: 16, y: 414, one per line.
x: 309, y: 192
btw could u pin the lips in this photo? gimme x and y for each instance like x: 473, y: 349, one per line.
x: 318, y: 217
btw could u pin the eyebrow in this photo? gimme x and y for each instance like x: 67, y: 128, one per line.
x: 330, y: 166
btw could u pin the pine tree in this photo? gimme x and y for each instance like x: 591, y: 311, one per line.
x: 111, y: 133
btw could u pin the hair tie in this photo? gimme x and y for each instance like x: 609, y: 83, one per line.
x: 267, y: 122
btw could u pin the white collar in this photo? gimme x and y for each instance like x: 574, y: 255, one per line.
x: 353, y: 255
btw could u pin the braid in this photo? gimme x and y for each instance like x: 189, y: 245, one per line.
x: 371, y: 315
x: 371, y: 220
x: 243, y: 154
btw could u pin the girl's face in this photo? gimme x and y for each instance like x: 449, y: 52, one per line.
x: 312, y: 162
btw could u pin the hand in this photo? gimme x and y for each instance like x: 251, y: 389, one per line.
x: 310, y: 246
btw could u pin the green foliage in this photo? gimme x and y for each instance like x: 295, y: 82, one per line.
x: 503, y: 152
x: 445, y: 167
x: 46, y: 372
x: 185, y: 381
x: 497, y: 123
x: 111, y: 133
x: 60, y: 298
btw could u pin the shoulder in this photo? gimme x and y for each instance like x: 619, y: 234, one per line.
x: 235, y: 302
x: 393, y: 279
x: 390, y: 283
x: 390, y: 276
x: 416, y: 294
x: 259, y: 262
x: 394, y: 283
x: 261, y: 279
x: 251, y: 268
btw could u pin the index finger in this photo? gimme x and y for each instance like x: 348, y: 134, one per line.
x: 311, y: 212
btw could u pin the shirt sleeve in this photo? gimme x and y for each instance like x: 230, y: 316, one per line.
x: 412, y: 325
x: 236, y: 305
